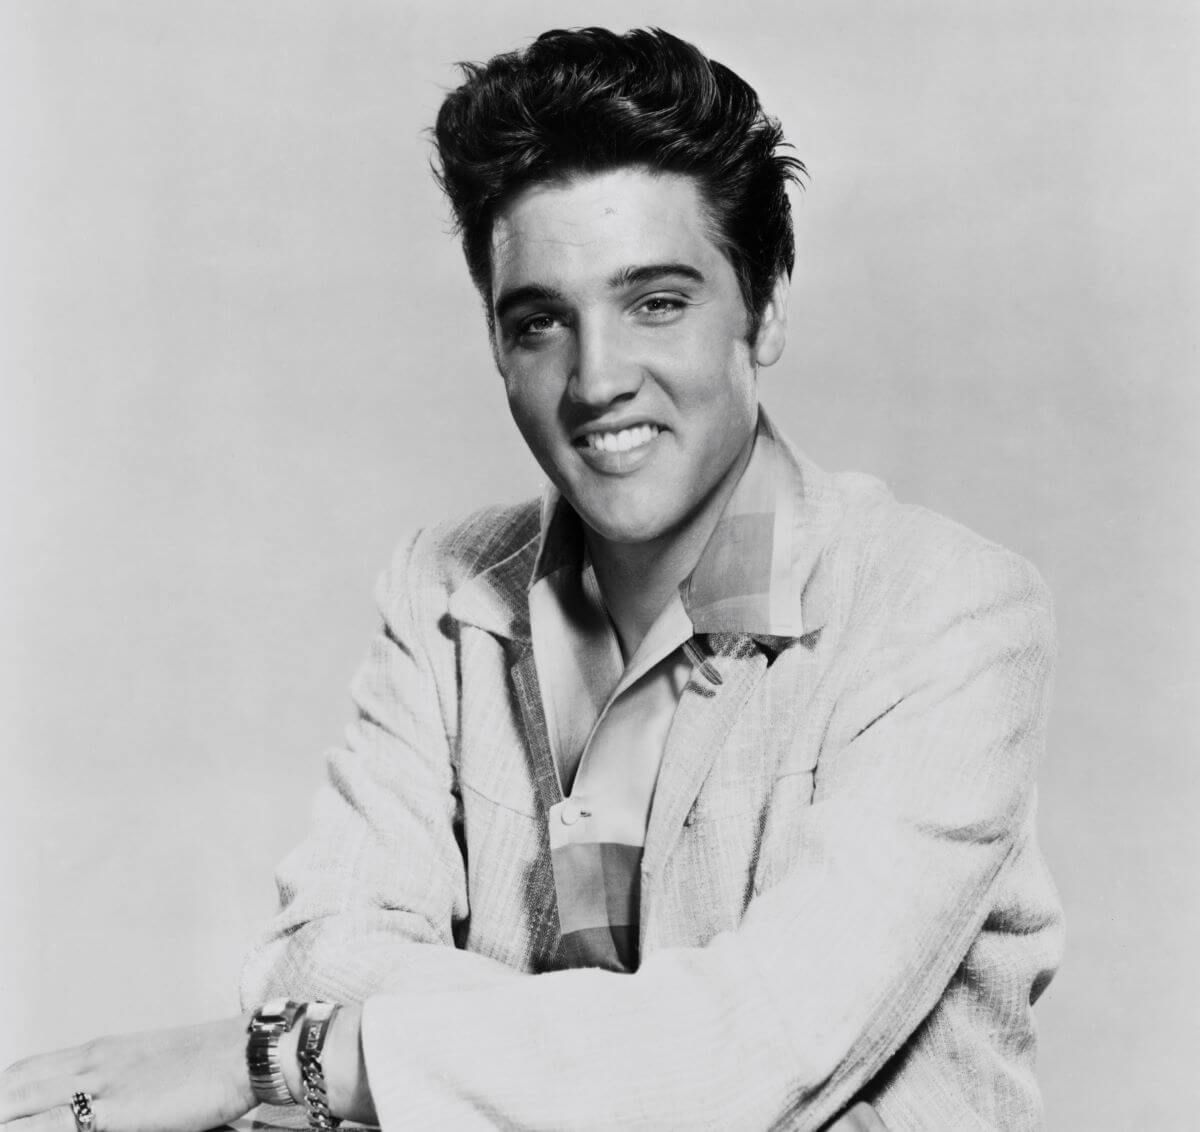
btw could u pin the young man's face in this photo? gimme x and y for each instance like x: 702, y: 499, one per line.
x: 621, y: 337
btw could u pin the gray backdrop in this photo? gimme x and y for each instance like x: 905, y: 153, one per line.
x: 240, y: 358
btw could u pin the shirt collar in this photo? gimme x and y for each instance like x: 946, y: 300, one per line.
x: 751, y: 575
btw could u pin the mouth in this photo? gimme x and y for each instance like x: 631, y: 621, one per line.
x: 618, y: 440
x: 618, y: 451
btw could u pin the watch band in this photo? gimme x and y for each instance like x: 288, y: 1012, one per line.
x: 313, y: 1029
x: 270, y: 1022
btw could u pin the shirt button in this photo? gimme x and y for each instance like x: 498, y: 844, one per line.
x: 570, y: 813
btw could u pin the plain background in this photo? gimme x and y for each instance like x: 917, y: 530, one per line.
x: 241, y: 358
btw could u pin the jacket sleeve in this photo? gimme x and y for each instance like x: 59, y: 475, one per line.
x: 922, y: 789
x: 381, y: 877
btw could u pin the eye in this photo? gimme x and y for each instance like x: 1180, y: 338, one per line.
x: 534, y: 329
x: 661, y: 308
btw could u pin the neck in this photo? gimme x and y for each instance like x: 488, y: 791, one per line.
x: 638, y: 579
x: 637, y: 584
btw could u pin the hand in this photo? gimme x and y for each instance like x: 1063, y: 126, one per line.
x: 184, y: 1080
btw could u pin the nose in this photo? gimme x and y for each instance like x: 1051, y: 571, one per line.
x: 603, y: 372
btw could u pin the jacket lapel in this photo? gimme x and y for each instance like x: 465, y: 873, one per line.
x: 533, y: 715
x: 496, y: 601
x: 707, y: 711
x: 806, y: 509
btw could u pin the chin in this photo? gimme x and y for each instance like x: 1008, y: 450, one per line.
x: 625, y: 529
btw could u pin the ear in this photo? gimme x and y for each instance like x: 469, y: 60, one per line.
x: 772, y: 329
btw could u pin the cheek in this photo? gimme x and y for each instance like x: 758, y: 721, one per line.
x: 744, y: 394
x: 729, y: 387
x: 534, y: 409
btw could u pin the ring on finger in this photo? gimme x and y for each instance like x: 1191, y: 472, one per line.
x: 81, y: 1109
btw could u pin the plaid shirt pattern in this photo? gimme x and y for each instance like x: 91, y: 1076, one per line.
x: 608, y: 721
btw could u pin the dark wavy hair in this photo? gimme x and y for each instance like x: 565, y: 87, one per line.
x: 588, y: 100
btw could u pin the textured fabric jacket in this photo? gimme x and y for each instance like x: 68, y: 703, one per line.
x: 842, y: 897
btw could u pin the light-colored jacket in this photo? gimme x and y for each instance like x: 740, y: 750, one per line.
x: 842, y: 895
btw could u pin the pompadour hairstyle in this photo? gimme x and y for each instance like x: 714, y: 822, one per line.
x: 588, y: 100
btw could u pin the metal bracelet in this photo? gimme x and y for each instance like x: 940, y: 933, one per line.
x: 270, y: 1022
x: 313, y: 1029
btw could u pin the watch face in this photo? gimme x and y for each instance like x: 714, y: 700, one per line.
x: 278, y: 1012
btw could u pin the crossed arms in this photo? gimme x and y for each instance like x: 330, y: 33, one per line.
x: 908, y: 876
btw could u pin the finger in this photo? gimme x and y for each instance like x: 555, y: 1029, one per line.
x: 58, y: 1063
x: 67, y: 1056
x: 58, y: 1119
x: 27, y: 1098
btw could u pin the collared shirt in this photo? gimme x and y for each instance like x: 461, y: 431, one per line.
x: 608, y: 721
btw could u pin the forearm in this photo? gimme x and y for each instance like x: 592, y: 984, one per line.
x: 349, y: 1092
x: 795, y: 1013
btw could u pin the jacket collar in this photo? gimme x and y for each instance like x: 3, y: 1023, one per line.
x: 753, y: 578
x: 497, y: 600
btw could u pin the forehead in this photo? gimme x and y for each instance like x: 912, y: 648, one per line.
x: 584, y: 228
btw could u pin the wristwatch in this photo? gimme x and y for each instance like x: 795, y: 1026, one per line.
x: 270, y: 1022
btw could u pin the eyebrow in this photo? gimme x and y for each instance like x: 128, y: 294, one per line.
x: 648, y: 273
x: 625, y: 277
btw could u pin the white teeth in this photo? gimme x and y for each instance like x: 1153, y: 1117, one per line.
x: 623, y: 440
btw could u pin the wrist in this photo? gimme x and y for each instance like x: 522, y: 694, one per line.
x: 238, y: 1069
x: 342, y: 1064
x: 341, y: 1044
x: 345, y: 1070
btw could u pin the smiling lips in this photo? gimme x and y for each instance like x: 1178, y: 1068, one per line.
x: 623, y: 440
x: 618, y: 451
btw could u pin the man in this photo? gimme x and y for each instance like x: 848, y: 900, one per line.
x: 735, y: 757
